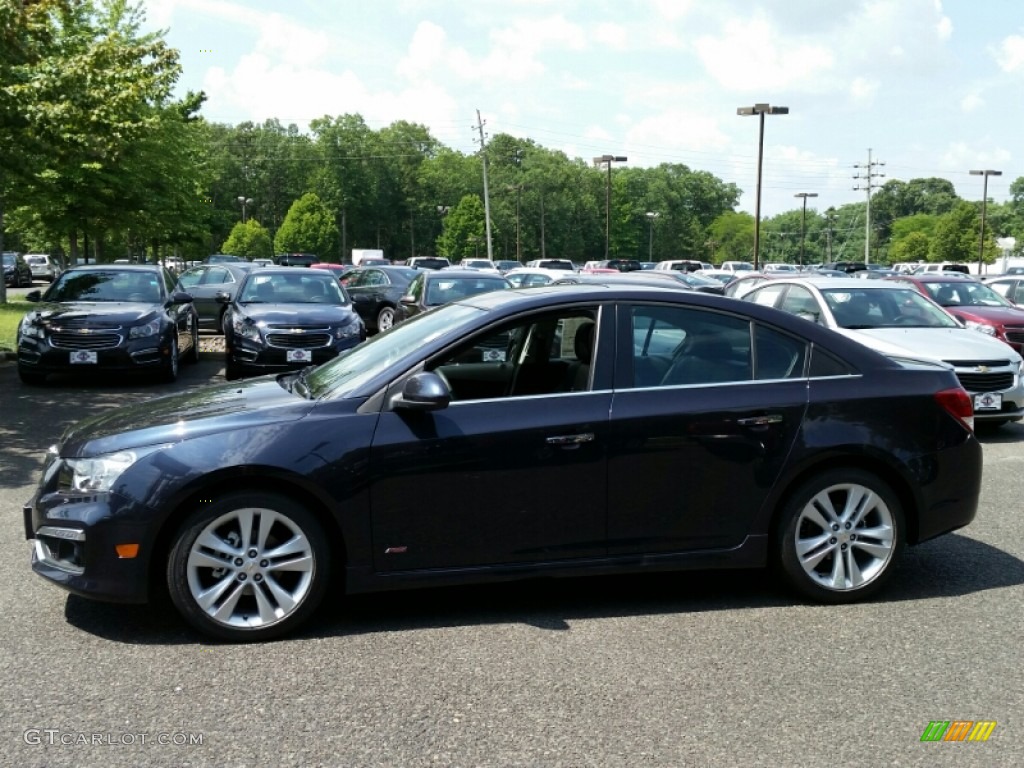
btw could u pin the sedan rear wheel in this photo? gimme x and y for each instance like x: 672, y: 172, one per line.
x: 840, y: 536
x: 248, y: 567
x: 385, y: 319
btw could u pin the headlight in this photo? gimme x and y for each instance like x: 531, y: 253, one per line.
x: 245, y: 329
x: 95, y: 475
x: 152, y: 328
x: 347, y: 331
x: 974, y: 325
x: 30, y: 329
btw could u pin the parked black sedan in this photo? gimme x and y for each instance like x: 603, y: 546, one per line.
x: 401, y: 463
x: 108, y: 317
x: 205, y: 282
x: 282, y: 318
x: 432, y: 288
x: 376, y: 291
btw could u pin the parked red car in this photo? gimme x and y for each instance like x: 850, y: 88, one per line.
x: 972, y: 302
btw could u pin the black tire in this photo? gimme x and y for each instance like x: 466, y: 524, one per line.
x: 258, y: 599
x: 193, y: 354
x: 32, y: 378
x: 169, y: 370
x: 833, y: 552
x: 231, y: 370
x: 385, y: 319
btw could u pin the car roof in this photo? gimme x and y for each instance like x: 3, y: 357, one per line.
x: 118, y: 267
x: 443, y: 274
x: 844, y: 283
x: 938, y: 277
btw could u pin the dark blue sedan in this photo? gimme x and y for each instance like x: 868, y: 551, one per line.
x: 284, y: 318
x: 551, y: 431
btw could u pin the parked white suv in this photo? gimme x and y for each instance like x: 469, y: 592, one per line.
x: 43, y: 267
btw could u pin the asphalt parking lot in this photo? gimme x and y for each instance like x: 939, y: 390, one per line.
x: 711, y: 668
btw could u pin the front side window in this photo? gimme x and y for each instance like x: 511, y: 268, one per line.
x: 547, y: 353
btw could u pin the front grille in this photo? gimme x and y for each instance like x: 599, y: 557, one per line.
x: 985, y: 382
x: 1015, y: 335
x: 979, y: 363
x: 84, y: 340
x: 299, y: 338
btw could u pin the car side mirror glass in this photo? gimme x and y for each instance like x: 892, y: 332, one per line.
x: 425, y: 391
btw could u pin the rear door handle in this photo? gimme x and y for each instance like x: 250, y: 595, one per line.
x: 571, y: 440
x: 760, y: 421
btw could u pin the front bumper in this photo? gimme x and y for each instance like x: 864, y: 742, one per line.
x: 256, y: 356
x: 75, y: 546
x: 130, y: 355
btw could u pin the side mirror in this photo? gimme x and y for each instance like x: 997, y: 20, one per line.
x: 424, y: 391
x: 180, y: 297
x: 222, y: 297
x: 408, y: 299
x: 35, y: 295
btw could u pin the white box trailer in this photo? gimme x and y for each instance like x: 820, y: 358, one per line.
x: 360, y: 254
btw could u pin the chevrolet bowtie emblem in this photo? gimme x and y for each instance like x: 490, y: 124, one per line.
x: 982, y: 369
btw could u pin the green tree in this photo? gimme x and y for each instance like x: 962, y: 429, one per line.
x: 308, y: 227
x: 464, y: 232
x: 250, y: 240
x: 915, y: 246
x: 731, y: 237
x: 956, y: 236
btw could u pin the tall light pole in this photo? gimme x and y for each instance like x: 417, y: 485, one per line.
x: 803, y: 222
x: 984, y: 204
x: 244, y: 201
x: 760, y: 110
x: 651, y: 216
x: 608, y: 160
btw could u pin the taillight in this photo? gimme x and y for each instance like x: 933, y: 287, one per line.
x: 958, y: 404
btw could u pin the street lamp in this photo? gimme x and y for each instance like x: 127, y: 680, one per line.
x: 651, y: 216
x: 608, y: 160
x: 244, y: 201
x: 761, y: 110
x: 803, y: 222
x: 984, y: 203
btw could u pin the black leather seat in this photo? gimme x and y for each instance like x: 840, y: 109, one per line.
x: 583, y: 346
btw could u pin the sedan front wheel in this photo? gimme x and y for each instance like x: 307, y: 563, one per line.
x: 248, y: 567
x: 840, y: 536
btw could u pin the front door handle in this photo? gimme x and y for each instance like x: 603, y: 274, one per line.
x: 760, y: 421
x: 571, y: 440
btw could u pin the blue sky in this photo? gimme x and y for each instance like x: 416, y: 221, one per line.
x: 933, y: 87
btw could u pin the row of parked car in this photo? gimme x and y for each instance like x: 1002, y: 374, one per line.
x: 137, y: 317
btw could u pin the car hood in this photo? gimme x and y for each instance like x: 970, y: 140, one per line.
x: 933, y: 343
x: 1001, y: 315
x: 92, y: 313
x: 298, y: 314
x: 175, y: 418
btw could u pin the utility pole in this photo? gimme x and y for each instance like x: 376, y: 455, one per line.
x: 487, y: 197
x: 868, y: 175
x: 830, y: 218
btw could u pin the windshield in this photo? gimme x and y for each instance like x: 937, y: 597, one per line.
x: 8, y: 260
x: 446, y: 289
x: 965, y: 293
x: 347, y: 373
x: 106, y: 285
x: 296, y: 287
x: 885, y: 308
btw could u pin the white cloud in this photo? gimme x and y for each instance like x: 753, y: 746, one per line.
x: 863, y: 90
x: 1010, y: 54
x: 971, y: 102
x: 611, y: 36
x: 749, y: 55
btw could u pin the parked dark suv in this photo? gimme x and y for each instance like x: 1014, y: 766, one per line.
x: 297, y: 259
x: 17, y: 272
